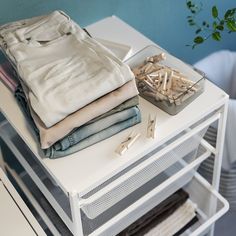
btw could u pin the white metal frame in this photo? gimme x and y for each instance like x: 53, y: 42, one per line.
x: 211, y: 222
x: 76, y: 200
x: 36, y: 179
x: 33, y: 201
x: 219, y: 154
x: 151, y: 160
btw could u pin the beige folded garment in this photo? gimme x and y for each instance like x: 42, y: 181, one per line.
x: 48, y: 136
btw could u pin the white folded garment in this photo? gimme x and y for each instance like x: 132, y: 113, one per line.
x: 63, y: 68
x: 175, y: 222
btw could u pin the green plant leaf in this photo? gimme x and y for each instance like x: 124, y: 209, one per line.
x: 214, y: 29
x: 214, y: 12
x: 231, y: 25
x: 216, y: 36
x: 220, y: 27
x: 198, y: 40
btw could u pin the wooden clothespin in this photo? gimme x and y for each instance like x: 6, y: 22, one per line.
x: 127, y: 143
x: 151, y: 128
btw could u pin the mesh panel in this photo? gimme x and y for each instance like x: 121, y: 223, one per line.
x: 36, y: 166
x: 90, y: 225
x: 228, y: 177
x: 130, y: 167
x: 107, y: 200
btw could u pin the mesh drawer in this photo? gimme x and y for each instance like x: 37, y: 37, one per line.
x: 210, y: 205
x: 93, y: 208
x: 150, y: 194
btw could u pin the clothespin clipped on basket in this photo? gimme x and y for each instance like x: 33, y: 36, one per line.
x: 127, y: 143
x: 151, y: 128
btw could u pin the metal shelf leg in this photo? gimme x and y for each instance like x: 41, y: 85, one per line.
x: 219, y: 155
x: 76, y: 215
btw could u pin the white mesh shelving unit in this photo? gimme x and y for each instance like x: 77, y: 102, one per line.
x: 97, y: 192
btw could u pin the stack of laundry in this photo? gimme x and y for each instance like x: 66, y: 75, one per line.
x: 171, y: 217
x: 74, y: 91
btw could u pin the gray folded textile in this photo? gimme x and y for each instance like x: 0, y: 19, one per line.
x: 155, y: 216
x: 134, y: 101
x: 87, y: 130
x: 53, y: 153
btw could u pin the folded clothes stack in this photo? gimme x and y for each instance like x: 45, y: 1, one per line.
x: 74, y: 91
x: 171, y: 217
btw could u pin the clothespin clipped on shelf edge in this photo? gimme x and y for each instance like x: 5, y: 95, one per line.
x: 151, y: 128
x: 127, y: 143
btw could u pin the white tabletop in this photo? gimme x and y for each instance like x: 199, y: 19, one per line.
x: 15, y: 217
x: 87, y: 168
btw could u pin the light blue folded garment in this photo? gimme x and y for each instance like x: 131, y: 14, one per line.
x: 90, y: 134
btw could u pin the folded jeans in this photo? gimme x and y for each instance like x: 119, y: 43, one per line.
x: 87, y: 130
x: 53, y: 153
